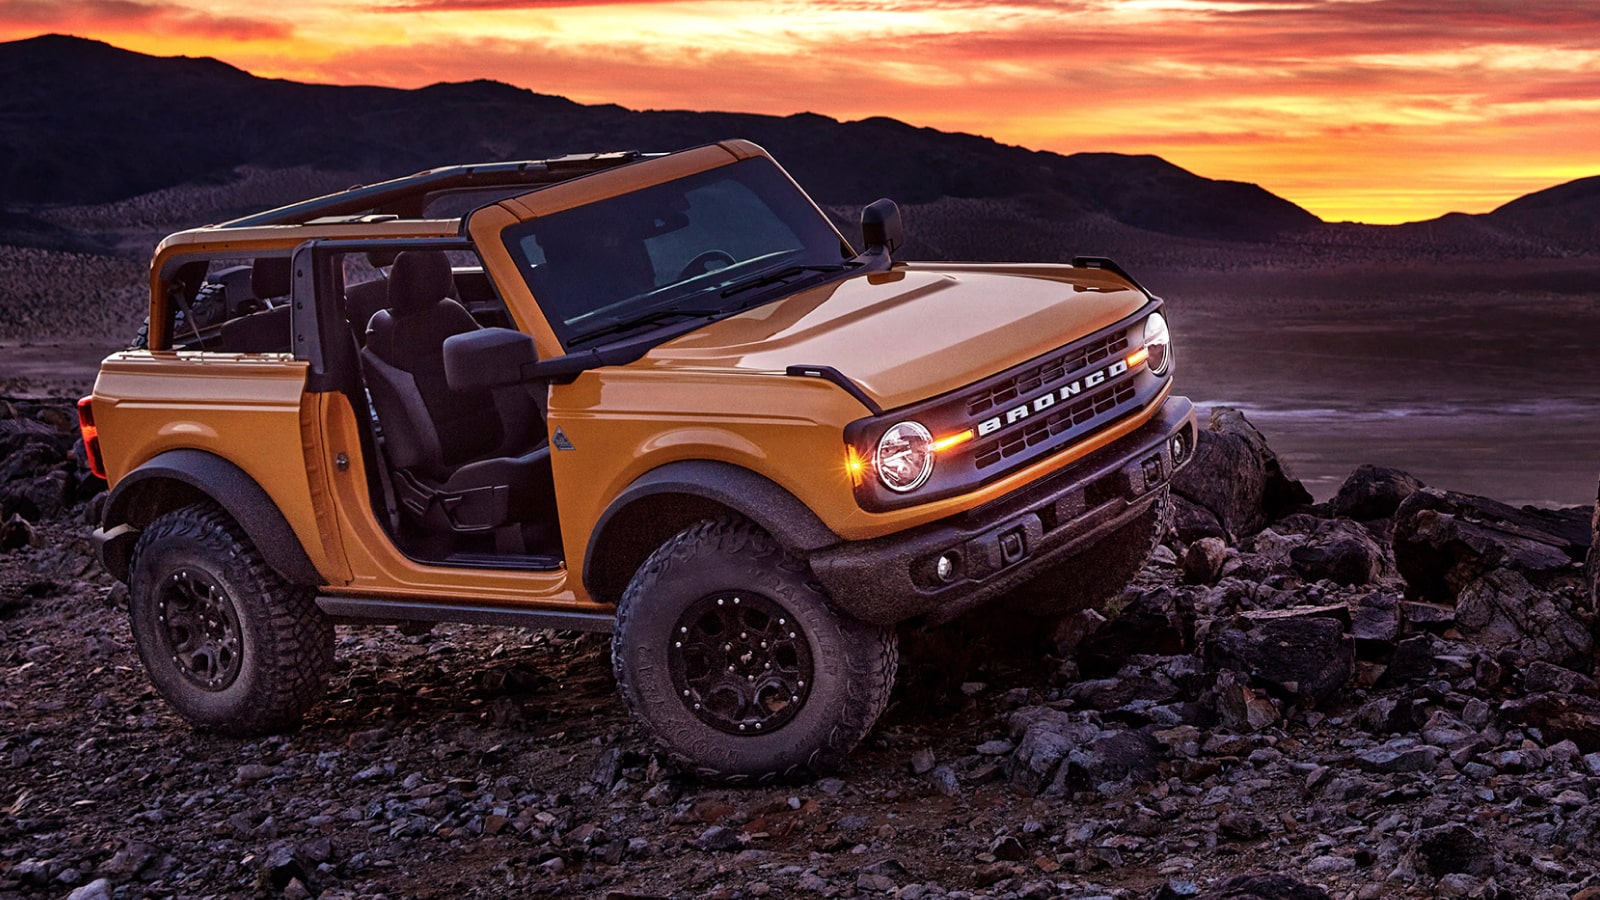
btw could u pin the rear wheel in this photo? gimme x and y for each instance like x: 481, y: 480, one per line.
x: 226, y: 641
x: 736, y: 661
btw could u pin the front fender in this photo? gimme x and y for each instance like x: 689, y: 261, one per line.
x: 664, y: 501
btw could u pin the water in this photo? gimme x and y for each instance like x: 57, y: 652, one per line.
x: 1487, y: 383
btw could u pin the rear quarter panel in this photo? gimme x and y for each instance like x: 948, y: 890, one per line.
x: 248, y: 409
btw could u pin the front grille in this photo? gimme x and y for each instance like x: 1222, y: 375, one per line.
x: 1062, y: 418
x: 1049, y: 371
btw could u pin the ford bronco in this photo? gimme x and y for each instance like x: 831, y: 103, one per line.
x: 658, y: 395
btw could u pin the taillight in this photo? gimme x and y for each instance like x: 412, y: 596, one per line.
x: 91, y: 437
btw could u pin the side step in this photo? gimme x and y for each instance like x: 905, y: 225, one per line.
x: 368, y: 609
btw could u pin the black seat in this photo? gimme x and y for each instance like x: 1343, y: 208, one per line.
x: 364, y: 299
x: 464, y: 461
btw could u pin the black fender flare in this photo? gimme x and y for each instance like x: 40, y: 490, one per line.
x: 679, y: 494
x: 142, y: 494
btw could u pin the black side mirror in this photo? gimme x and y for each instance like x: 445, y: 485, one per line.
x: 881, y: 229
x: 487, y: 358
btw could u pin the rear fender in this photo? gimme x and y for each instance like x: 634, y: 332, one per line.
x: 179, y: 478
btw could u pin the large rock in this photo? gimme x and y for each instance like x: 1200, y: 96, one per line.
x: 1340, y: 551
x: 1444, y: 541
x: 1592, y: 566
x: 1561, y: 717
x: 1235, y: 484
x: 1504, y: 611
x: 1138, y: 621
x: 1372, y: 492
x: 1058, y: 753
x: 1303, y: 653
x: 1257, y: 886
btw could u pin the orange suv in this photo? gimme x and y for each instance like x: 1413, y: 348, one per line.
x: 655, y: 395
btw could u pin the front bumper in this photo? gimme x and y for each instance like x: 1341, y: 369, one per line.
x: 1001, y: 545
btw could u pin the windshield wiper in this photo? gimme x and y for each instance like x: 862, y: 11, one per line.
x: 629, y: 323
x: 781, y: 275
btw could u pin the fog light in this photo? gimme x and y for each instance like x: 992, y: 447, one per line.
x: 947, y: 566
x: 1180, y: 447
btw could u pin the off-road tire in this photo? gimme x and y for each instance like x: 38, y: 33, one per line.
x: 1101, y: 572
x: 853, y: 662
x: 273, y: 660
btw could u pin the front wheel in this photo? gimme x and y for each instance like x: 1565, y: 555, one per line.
x: 736, y: 661
x: 229, y: 644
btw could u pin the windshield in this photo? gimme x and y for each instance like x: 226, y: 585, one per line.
x: 708, y: 244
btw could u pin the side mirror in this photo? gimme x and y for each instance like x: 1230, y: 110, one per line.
x: 487, y: 358
x: 881, y: 229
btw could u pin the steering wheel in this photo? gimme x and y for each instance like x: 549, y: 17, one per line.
x: 701, y: 264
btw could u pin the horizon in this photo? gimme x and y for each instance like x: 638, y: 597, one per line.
x: 1374, y: 111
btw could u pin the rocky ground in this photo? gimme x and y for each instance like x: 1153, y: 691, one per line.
x: 1386, y: 695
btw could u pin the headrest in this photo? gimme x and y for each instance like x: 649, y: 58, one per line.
x: 269, y: 277
x: 381, y: 259
x: 419, y: 279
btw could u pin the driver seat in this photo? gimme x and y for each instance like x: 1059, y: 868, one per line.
x: 463, y: 461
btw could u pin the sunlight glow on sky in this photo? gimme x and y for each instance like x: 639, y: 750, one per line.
x: 1368, y: 110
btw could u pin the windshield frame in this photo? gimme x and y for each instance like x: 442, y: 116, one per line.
x: 806, y: 250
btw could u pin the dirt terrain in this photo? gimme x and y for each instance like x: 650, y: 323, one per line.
x: 1272, y: 711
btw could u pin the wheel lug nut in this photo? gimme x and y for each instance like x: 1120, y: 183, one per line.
x: 741, y: 726
x: 686, y: 693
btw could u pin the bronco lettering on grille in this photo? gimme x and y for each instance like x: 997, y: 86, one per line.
x: 1045, y: 401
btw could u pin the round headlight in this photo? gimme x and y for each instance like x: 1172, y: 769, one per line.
x: 1159, y: 343
x: 905, y: 457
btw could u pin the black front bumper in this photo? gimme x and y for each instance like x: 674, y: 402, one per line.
x: 1003, y: 544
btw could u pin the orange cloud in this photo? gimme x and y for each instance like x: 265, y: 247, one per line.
x: 121, y: 16
x: 1381, y: 110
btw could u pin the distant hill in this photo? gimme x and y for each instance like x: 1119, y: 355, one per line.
x: 82, y: 122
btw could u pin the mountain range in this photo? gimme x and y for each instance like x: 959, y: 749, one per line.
x: 83, y: 122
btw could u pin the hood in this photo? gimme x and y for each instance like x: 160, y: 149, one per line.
x: 913, y: 332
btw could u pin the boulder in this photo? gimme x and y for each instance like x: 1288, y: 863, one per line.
x: 1304, y: 653
x: 1502, y: 610
x: 1264, y: 887
x: 1372, y: 492
x: 1202, y: 562
x: 1152, y: 621
x: 1235, y: 484
x: 1340, y: 551
x: 1452, y: 848
x: 1592, y: 565
x: 1375, y: 622
x: 1444, y: 541
x: 1058, y: 753
x: 1561, y: 717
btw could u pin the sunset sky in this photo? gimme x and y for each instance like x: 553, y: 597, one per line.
x: 1369, y: 110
